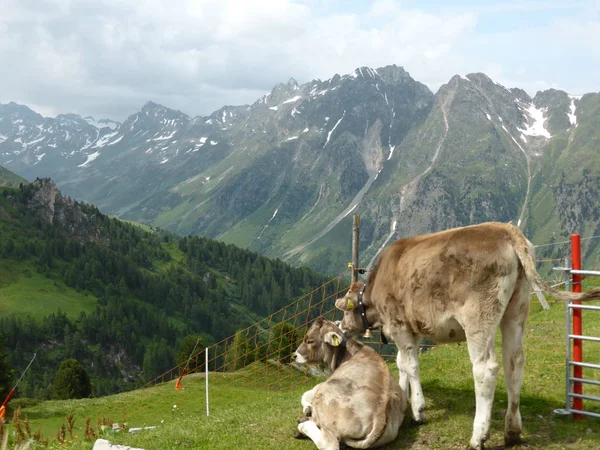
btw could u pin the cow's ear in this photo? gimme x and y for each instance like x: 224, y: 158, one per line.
x: 333, y: 338
x: 356, y: 286
x: 345, y: 304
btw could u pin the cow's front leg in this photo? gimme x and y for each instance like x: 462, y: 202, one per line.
x: 307, y: 399
x: 323, y: 438
x: 408, y: 367
x: 485, y: 370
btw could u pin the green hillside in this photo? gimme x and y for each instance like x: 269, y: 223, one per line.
x: 116, y: 297
x: 25, y: 291
x: 258, y: 407
x: 7, y: 178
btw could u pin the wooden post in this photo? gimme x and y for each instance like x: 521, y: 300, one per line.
x: 355, y: 242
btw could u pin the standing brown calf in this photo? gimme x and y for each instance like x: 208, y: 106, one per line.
x: 456, y: 285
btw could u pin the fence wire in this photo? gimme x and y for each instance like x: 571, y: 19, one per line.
x: 261, y: 354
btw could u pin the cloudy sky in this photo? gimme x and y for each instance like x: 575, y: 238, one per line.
x: 106, y: 58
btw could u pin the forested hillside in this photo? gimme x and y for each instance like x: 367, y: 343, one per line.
x: 120, y: 299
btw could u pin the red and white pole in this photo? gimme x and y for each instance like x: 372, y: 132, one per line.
x: 577, y: 325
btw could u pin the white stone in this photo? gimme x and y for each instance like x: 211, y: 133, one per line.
x: 103, y: 444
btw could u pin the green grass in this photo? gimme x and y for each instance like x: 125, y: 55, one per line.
x: 250, y: 411
x: 8, y: 178
x: 24, y: 291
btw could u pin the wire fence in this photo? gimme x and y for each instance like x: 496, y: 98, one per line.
x: 261, y: 354
x: 267, y: 344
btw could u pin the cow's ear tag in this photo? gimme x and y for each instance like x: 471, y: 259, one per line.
x: 336, y: 340
x: 349, y: 304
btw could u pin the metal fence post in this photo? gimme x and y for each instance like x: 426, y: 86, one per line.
x: 577, y: 325
x: 567, y: 339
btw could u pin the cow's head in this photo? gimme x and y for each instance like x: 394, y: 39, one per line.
x: 319, y: 342
x: 352, y: 323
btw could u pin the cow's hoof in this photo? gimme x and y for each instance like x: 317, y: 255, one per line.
x: 298, y: 435
x: 512, y: 438
x: 479, y: 447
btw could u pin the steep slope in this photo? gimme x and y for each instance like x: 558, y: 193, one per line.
x: 484, y: 153
x: 7, y: 178
x: 567, y: 187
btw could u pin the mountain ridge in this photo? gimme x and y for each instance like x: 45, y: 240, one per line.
x: 283, y: 175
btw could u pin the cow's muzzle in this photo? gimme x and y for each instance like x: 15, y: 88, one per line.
x: 299, y: 358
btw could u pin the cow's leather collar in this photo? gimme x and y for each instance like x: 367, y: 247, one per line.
x: 363, y: 314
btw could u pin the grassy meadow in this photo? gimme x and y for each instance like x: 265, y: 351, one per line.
x: 257, y: 407
x: 24, y: 290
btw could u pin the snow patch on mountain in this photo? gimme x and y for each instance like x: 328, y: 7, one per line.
x: 536, y: 128
x: 572, y: 108
x: 293, y: 99
x: 333, y: 129
x: 104, y: 140
x: 166, y: 137
x: 91, y: 157
x: 115, y: 141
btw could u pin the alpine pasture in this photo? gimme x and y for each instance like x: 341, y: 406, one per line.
x: 248, y: 416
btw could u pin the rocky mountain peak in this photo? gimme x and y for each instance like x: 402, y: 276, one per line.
x: 520, y: 95
x: 394, y: 74
x: 52, y: 207
x: 16, y: 111
x: 74, y: 121
x: 151, y: 107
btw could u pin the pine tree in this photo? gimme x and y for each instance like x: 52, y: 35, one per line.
x: 72, y: 381
x: 282, y: 342
x: 186, y: 346
x: 6, y: 373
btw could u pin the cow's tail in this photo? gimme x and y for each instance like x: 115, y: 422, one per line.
x: 526, y: 254
x: 379, y: 420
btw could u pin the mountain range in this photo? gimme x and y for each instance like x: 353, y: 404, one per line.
x: 284, y: 175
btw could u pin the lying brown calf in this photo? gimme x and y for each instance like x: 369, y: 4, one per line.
x: 360, y: 404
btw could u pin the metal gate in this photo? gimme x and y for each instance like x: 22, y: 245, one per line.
x: 574, y: 355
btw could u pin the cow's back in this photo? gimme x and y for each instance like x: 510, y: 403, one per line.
x: 358, y: 394
x: 427, y: 279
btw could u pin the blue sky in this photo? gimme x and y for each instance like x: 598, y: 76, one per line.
x: 108, y: 57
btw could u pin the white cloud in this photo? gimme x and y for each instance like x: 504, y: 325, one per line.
x: 108, y: 57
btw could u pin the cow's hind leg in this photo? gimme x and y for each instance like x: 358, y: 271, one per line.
x: 322, y: 437
x: 485, y: 371
x: 408, y: 367
x: 513, y: 326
